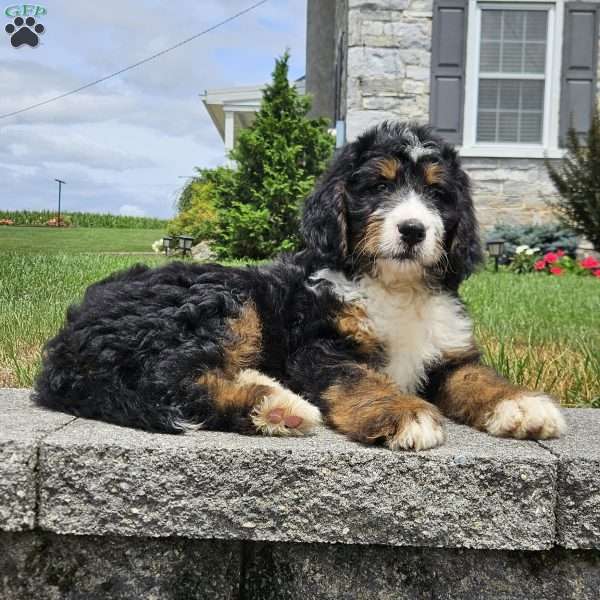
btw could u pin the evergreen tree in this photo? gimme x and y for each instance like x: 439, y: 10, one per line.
x: 277, y: 160
x: 578, y: 184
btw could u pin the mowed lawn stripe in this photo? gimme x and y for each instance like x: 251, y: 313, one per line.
x: 45, y: 240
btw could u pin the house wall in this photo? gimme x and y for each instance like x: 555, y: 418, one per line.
x: 389, y: 55
x: 320, y: 56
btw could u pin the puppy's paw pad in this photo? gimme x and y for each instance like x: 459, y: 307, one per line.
x: 421, y: 432
x: 533, y: 416
x: 285, y: 413
x: 278, y: 415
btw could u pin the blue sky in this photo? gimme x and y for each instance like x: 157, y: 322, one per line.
x: 122, y: 145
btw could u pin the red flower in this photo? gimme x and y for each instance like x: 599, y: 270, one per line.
x: 597, y: 273
x: 556, y: 271
x: 551, y: 257
x: 560, y: 253
x: 589, y: 262
x: 539, y: 265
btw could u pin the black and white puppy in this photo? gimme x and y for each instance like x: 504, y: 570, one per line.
x: 362, y: 328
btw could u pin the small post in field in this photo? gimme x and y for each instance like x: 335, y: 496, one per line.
x: 60, y: 184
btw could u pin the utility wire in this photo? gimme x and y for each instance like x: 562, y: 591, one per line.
x: 134, y: 65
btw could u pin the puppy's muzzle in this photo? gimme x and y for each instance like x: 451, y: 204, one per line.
x: 412, y: 232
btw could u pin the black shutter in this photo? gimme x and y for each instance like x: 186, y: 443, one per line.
x: 448, y: 57
x: 580, y: 59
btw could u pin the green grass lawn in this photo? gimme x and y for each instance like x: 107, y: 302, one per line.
x: 40, y: 240
x: 540, y: 331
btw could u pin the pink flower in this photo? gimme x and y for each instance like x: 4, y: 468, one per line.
x: 551, y: 257
x: 597, y: 273
x: 560, y: 253
x: 539, y: 265
x: 589, y: 262
x: 556, y: 271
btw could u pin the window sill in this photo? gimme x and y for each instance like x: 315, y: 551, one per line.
x: 506, y: 151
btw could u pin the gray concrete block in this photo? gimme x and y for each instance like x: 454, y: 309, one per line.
x: 578, y: 507
x: 299, y: 571
x: 22, y: 426
x: 49, y: 567
x: 475, y: 491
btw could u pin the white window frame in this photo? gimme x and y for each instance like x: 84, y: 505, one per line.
x: 549, y: 146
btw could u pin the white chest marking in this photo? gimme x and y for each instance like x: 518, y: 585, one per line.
x: 416, y: 325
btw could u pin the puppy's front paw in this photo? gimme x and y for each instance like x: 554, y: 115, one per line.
x: 530, y: 415
x: 284, y: 413
x: 418, y: 431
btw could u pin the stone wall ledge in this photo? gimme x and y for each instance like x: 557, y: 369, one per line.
x: 89, y: 510
x: 78, y: 477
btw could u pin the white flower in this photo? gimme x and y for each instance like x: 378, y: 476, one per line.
x: 531, y: 251
x: 157, y: 246
x: 521, y: 249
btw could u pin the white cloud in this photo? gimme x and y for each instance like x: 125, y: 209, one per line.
x: 131, y: 210
x: 126, y: 141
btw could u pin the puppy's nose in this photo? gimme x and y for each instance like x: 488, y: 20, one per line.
x: 412, y: 231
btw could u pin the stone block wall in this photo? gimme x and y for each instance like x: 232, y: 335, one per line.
x: 389, y: 59
x: 515, y: 190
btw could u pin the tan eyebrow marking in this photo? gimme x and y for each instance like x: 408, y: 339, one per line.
x: 434, y: 173
x: 388, y: 168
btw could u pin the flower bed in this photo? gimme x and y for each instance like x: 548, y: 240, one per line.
x: 527, y: 260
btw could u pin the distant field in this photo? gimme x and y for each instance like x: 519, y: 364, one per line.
x: 542, y: 332
x: 78, y: 219
x: 74, y: 240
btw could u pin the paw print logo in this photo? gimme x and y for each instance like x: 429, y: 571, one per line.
x: 24, y: 32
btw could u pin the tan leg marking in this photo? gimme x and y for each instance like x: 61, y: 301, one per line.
x: 352, y: 321
x: 244, y: 343
x: 372, y: 409
x: 476, y: 395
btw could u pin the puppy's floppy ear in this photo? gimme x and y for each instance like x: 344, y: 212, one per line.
x: 324, y: 225
x: 465, y: 247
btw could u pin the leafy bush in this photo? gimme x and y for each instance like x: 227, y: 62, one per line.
x: 546, y: 238
x: 277, y: 160
x: 578, y: 183
x: 79, y: 219
x: 198, y: 218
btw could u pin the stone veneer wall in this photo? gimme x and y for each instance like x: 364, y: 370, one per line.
x: 389, y: 54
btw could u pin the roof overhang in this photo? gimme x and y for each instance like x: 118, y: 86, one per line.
x: 244, y: 101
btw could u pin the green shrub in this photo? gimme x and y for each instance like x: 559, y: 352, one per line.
x: 578, y: 183
x: 277, y: 160
x: 546, y: 238
x: 199, y: 217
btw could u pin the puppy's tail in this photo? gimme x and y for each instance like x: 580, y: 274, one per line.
x: 75, y: 382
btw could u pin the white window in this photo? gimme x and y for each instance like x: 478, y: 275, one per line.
x: 512, y: 80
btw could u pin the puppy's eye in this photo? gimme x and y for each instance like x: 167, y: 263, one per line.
x: 384, y: 187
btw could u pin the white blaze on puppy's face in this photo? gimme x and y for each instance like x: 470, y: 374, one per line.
x: 411, y: 207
